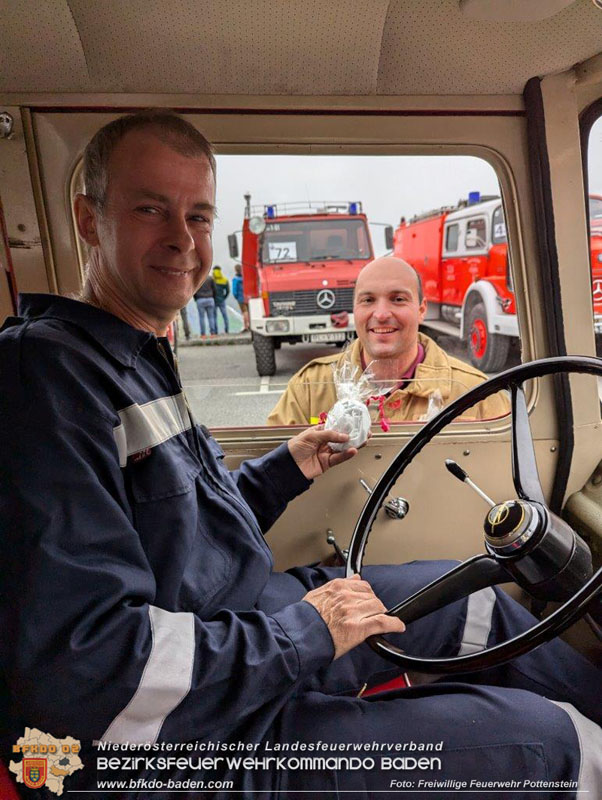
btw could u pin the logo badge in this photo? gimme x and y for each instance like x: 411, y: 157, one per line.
x: 597, y: 290
x: 34, y: 772
x: 326, y: 298
x: 47, y: 761
x: 499, y: 514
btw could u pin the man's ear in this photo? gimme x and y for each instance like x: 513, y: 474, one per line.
x: 422, y: 309
x: 86, y: 215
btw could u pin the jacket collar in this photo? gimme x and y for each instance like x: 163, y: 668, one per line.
x: 434, y: 372
x: 114, y: 335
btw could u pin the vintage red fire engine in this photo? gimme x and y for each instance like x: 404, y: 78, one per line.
x: 461, y: 254
x: 300, y: 262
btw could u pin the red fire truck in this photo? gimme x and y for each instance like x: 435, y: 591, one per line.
x: 461, y: 254
x: 300, y: 262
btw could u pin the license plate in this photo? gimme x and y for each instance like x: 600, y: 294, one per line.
x: 328, y: 337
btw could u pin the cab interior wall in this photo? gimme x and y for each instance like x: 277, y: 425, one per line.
x: 406, y: 101
x: 336, y: 500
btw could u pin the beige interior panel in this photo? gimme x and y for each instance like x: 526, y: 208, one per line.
x: 445, y: 517
x: 311, y: 47
x: 416, y: 51
x: 20, y: 213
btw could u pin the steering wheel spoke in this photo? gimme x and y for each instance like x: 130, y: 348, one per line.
x: 541, y: 550
x: 524, y: 465
x: 476, y: 573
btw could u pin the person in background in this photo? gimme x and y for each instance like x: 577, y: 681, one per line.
x: 239, y: 296
x: 185, y: 323
x: 205, y: 303
x: 412, y: 372
x: 222, y: 290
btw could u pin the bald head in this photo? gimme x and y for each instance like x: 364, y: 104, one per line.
x: 386, y: 268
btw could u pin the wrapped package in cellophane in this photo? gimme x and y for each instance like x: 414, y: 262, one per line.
x: 350, y: 413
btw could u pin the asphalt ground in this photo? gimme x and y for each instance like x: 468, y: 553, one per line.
x: 222, y: 384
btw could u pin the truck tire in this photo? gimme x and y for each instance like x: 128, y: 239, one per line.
x: 488, y: 351
x: 265, y: 358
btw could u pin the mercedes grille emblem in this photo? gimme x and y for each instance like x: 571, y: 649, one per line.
x: 325, y: 298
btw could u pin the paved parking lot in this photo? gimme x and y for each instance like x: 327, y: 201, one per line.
x: 223, y: 387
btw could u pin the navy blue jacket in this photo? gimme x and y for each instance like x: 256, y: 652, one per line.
x: 133, y: 559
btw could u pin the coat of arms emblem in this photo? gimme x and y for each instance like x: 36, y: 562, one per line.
x: 34, y: 772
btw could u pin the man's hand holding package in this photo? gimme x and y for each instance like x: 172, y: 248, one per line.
x: 312, y: 454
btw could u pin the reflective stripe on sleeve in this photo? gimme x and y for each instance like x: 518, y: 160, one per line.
x: 590, y: 746
x: 165, y: 681
x: 150, y: 424
x: 479, y: 612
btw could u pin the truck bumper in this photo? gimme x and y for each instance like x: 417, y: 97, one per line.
x: 316, y: 328
x: 504, y: 324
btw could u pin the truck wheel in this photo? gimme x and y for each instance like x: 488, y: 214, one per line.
x: 488, y: 351
x: 265, y: 359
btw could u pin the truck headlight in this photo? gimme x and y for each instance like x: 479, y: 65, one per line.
x: 277, y: 326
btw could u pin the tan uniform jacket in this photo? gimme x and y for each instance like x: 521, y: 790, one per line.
x: 311, y: 391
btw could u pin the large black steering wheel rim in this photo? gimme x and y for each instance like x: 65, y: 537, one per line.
x: 543, y: 631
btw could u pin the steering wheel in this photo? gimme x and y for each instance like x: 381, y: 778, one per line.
x: 525, y: 542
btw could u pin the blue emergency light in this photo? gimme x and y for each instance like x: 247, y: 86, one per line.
x: 354, y: 208
x: 270, y: 212
x: 474, y: 197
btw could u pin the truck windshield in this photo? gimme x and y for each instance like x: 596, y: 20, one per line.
x: 315, y: 240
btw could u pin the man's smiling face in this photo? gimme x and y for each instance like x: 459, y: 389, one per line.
x: 155, y: 229
x: 387, y: 311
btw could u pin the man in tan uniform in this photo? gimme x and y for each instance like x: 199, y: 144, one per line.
x: 416, y: 377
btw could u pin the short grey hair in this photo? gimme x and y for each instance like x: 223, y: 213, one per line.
x: 169, y: 127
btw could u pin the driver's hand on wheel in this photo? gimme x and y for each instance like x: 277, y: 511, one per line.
x: 352, y: 612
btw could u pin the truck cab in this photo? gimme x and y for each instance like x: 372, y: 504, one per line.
x: 462, y: 256
x: 518, y: 85
x: 300, y: 263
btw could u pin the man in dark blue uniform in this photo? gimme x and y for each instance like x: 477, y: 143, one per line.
x: 138, y: 599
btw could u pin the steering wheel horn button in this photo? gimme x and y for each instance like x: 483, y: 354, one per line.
x: 509, y: 525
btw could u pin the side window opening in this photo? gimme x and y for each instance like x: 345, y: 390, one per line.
x: 476, y: 234
x: 291, y: 254
x: 451, y: 238
x: 594, y: 207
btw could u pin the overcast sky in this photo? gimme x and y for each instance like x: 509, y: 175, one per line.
x: 388, y: 186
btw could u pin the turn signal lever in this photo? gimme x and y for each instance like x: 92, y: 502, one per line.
x: 457, y: 471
